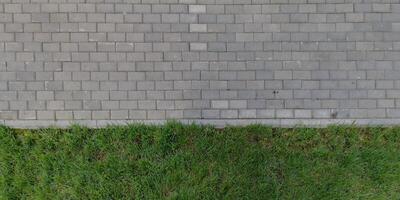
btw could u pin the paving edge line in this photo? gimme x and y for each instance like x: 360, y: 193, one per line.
x: 214, y: 122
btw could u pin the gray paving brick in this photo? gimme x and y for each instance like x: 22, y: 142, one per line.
x: 50, y: 115
x: 119, y: 114
x: 195, y: 46
x: 197, y: 8
x: 278, y: 61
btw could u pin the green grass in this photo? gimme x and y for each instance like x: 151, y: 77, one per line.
x: 178, y: 161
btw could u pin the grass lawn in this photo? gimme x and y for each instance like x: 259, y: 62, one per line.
x: 178, y: 161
